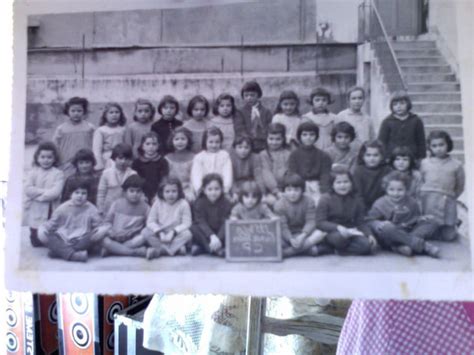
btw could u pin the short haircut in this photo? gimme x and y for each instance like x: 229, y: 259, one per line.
x: 403, y: 151
x: 343, y: 127
x: 76, y: 101
x: 250, y: 187
x: 293, y: 180
x: 147, y: 135
x: 395, y: 176
x: 167, y: 99
x: 370, y: 144
x: 307, y: 126
x: 133, y: 181
x: 438, y: 134
x: 288, y: 95
x: 319, y: 91
x: 353, y: 89
x: 211, y: 131
x: 184, y: 131
x: 108, y: 106
x: 400, y: 96
x: 278, y: 128
x: 84, y: 155
x: 198, y: 99
x: 122, y: 150
x: 76, y: 183
x: 340, y: 170
x: 251, y: 86
x: 220, y: 98
x: 170, y: 180
x: 208, y: 178
x: 145, y: 102
x: 48, y: 146
x: 243, y: 138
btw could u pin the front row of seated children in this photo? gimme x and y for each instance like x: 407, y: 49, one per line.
x: 338, y: 223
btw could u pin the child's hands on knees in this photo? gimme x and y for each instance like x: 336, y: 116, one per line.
x: 355, y: 231
x: 345, y: 232
x: 215, y: 243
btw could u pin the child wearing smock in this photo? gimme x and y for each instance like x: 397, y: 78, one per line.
x: 110, y: 133
x: 287, y: 113
x: 168, y: 108
x: 213, y: 159
x: 225, y: 118
x: 142, y: 121
x: 44, y: 183
x: 125, y: 221
x: 320, y: 98
x: 111, y: 180
x: 311, y: 163
x: 297, y: 213
x: 180, y: 160
x: 167, y: 226
x: 74, y: 134
x: 358, y: 119
x: 342, y: 151
x: 443, y: 181
x: 255, y: 117
x: 198, y: 110
x: 72, y: 230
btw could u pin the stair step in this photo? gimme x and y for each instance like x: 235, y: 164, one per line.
x: 421, y: 60
x: 413, y: 44
x: 454, y: 130
x: 423, y: 52
x: 420, y: 69
x: 433, y: 118
x: 435, y: 96
x: 423, y: 106
x: 440, y: 86
x: 437, y: 77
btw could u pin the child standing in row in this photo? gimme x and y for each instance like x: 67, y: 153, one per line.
x: 142, y: 121
x: 319, y: 99
x: 180, y: 160
x: 198, y: 110
x: 403, y: 128
x: 211, y: 209
x: 225, y: 118
x: 342, y: 151
x: 404, y: 161
x: 72, y: 231
x: 255, y: 117
x: 298, y: 223
x: 213, y: 159
x: 125, y: 221
x: 44, y: 184
x: 74, y: 134
x: 443, y: 182
x: 150, y: 165
x: 287, y: 113
x: 167, y: 226
x: 84, y: 162
x: 168, y: 108
x: 110, y: 133
x: 397, y: 222
x: 311, y: 163
x: 110, y: 183
x: 354, y: 115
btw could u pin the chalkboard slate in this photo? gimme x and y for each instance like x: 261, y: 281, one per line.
x: 253, y: 240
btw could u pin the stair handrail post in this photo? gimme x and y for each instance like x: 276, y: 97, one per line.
x: 389, y: 43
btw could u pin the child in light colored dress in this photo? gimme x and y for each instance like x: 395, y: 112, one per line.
x: 287, y: 113
x: 225, y: 118
x: 142, y: 121
x: 198, y: 110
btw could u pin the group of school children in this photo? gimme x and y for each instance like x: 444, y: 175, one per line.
x: 152, y: 188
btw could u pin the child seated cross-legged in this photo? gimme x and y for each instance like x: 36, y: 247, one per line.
x: 73, y: 230
x: 298, y: 222
x: 341, y: 214
x: 125, y: 221
x: 167, y: 226
x: 210, y: 210
x: 397, y: 222
x: 250, y: 205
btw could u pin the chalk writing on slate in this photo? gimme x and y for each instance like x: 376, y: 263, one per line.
x: 253, y: 240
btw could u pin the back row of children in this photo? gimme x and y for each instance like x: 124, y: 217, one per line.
x: 249, y: 159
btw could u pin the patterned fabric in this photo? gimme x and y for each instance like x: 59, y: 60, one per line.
x: 407, y: 327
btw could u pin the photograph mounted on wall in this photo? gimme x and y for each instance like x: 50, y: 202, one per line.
x: 310, y: 147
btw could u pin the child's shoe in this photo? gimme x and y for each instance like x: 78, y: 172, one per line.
x: 182, y: 251
x: 79, y: 256
x: 196, y: 250
x: 152, y: 253
x: 432, y: 250
x: 320, y: 249
x: 35, y: 241
x: 403, y: 250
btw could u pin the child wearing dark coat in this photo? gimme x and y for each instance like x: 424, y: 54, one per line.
x: 168, y: 108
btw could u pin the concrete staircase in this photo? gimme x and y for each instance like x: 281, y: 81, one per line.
x: 434, y: 89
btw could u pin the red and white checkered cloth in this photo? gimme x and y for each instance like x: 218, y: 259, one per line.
x: 408, y: 327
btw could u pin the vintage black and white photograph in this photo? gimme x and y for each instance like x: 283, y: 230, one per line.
x: 244, y: 141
